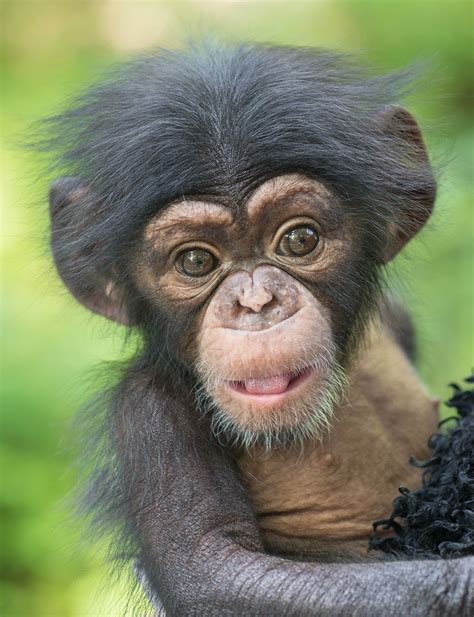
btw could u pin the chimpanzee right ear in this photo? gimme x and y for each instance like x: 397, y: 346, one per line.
x: 73, y: 209
x: 398, y: 123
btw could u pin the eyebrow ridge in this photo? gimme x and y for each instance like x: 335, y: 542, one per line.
x: 280, y: 188
x: 185, y: 213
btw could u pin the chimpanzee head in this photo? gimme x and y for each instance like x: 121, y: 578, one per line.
x: 237, y: 204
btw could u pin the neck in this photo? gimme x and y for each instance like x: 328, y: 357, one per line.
x: 324, y: 496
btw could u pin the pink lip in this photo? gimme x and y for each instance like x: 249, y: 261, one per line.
x: 272, y: 387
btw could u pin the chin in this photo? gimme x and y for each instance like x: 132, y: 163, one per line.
x: 274, y: 409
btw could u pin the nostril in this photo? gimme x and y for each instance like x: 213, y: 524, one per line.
x: 272, y: 304
x: 272, y: 307
x: 273, y: 313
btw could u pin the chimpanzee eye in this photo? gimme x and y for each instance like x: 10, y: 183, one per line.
x: 196, y: 262
x: 298, y: 241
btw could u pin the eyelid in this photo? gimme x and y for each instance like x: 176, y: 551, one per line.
x: 189, y: 246
x: 296, y: 221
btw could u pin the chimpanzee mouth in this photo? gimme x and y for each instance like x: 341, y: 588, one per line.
x: 274, y: 385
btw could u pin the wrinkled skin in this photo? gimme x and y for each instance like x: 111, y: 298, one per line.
x: 221, y: 568
x: 319, y: 499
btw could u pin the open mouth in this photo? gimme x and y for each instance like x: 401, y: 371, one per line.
x: 271, y: 385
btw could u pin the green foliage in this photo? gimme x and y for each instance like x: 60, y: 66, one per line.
x: 50, y: 343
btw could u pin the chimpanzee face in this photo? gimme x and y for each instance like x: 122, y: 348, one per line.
x: 243, y: 226
x: 261, y: 342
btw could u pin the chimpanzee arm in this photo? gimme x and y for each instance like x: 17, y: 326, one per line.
x: 201, y: 551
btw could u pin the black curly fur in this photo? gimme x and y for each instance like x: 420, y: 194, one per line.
x: 438, y: 519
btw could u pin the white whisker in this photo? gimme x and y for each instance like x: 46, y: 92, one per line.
x: 307, y: 419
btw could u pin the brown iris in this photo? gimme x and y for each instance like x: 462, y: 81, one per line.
x: 196, y: 262
x: 298, y: 241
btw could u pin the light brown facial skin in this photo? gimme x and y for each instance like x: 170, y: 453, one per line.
x: 259, y: 327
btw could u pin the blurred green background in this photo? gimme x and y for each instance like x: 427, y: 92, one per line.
x: 50, y: 344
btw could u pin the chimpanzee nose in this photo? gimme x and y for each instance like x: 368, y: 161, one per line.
x: 256, y: 300
x: 254, y: 297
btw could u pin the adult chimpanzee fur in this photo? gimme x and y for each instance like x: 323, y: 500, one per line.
x: 218, y: 121
x: 438, y: 519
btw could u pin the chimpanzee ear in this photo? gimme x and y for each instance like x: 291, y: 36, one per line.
x: 398, y: 123
x: 73, y: 210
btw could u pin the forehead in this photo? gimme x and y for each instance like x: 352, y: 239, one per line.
x: 197, y: 211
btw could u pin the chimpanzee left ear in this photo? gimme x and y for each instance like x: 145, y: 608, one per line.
x: 398, y: 123
x: 74, y: 208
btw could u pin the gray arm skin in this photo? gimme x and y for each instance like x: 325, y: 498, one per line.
x: 200, y: 547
